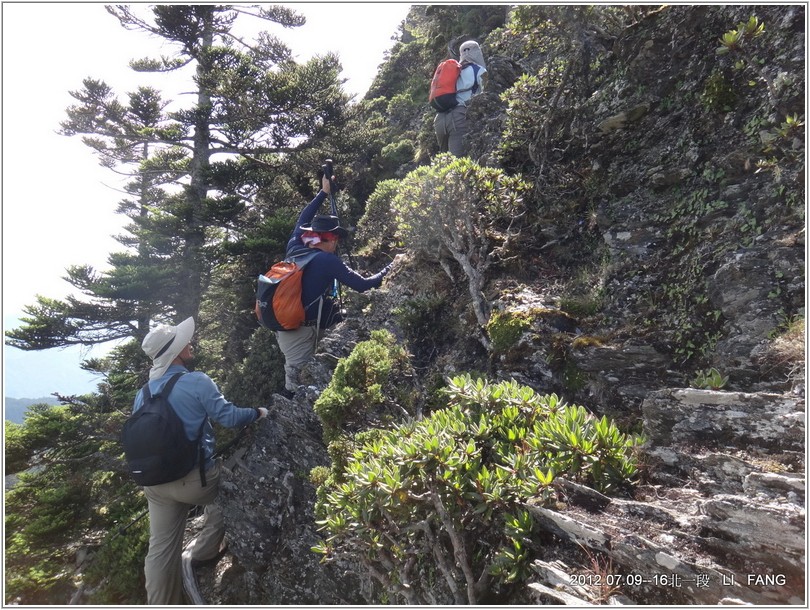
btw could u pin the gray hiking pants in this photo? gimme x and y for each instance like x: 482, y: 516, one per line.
x: 298, y: 346
x: 451, y: 130
x: 169, y: 504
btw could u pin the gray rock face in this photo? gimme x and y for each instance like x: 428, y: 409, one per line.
x: 749, y: 289
x: 714, y: 526
x: 686, y: 416
x: 630, y: 369
x: 270, y: 525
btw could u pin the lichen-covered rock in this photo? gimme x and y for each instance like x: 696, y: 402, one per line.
x: 271, y: 529
x: 688, y: 416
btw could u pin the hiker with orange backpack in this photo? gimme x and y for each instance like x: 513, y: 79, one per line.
x: 454, y: 84
x: 323, y: 271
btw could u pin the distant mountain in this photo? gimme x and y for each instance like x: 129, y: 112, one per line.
x: 14, y: 408
x: 39, y: 373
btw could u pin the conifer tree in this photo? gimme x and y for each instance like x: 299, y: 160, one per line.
x: 191, y: 167
x: 192, y: 177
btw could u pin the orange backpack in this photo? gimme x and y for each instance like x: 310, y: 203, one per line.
x: 278, y: 295
x: 443, y: 86
x: 443, y: 90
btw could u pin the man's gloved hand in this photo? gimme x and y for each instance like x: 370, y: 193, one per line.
x: 390, y: 266
x: 262, y: 412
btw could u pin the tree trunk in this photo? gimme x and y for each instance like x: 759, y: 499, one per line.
x: 194, y: 260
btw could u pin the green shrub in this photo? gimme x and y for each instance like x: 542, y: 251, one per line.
x: 362, y: 388
x: 377, y: 226
x: 318, y: 475
x: 457, y: 209
x: 524, y: 121
x: 397, y: 153
x: 710, y: 380
x: 431, y: 505
x: 718, y: 93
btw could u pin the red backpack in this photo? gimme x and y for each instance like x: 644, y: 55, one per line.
x: 443, y: 90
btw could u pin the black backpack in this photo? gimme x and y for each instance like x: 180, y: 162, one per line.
x: 155, y: 443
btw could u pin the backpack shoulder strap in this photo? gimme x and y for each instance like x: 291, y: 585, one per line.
x: 302, y: 257
x: 164, y: 391
x: 167, y: 389
x: 476, y: 69
x: 201, y: 452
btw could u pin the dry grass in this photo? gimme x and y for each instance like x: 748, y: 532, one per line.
x: 787, y: 349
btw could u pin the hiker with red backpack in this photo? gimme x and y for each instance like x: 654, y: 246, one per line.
x: 323, y: 271
x: 454, y: 84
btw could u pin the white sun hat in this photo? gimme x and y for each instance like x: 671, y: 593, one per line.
x: 164, y: 343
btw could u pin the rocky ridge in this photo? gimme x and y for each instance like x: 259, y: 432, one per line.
x: 719, y: 517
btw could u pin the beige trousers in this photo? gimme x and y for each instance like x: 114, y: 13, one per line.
x: 169, y: 504
x: 298, y: 346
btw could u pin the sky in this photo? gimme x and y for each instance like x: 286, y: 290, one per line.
x: 58, y: 204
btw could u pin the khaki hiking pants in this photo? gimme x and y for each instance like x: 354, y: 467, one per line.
x: 451, y: 130
x: 169, y: 504
x: 298, y: 346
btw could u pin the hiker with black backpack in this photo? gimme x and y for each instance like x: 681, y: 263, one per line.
x: 454, y: 84
x: 316, y: 237
x: 178, y: 473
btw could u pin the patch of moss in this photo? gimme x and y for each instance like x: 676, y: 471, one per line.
x: 505, y: 328
x: 582, y: 305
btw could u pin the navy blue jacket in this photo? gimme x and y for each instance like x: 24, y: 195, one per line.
x: 323, y: 269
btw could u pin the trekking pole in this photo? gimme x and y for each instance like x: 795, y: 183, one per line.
x: 233, y: 441
x: 328, y: 170
x: 328, y: 167
x: 123, y: 530
x: 453, y: 45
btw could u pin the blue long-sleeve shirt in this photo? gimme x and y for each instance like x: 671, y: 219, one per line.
x: 323, y: 269
x: 195, y: 396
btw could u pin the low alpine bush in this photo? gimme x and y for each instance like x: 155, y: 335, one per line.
x: 435, y: 509
x: 362, y: 389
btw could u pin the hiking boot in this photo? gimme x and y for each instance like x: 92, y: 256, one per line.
x: 190, y: 586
